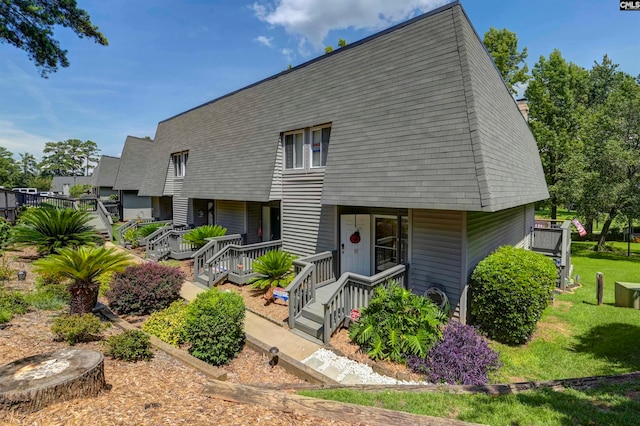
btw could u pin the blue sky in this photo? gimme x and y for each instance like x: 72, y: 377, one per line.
x: 167, y: 56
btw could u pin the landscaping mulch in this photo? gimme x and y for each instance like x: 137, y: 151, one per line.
x: 155, y: 392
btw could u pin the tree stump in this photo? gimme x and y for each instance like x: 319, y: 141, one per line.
x: 32, y: 383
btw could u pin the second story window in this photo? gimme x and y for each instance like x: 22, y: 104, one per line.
x: 306, y: 149
x: 293, y: 150
x: 319, y: 146
x: 180, y: 163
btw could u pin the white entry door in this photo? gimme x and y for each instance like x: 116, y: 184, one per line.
x: 355, y: 243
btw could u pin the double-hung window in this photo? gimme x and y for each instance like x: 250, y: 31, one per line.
x: 319, y: 146
x: 293, y: 150
x: 305, y: 149
x: 179, y: 160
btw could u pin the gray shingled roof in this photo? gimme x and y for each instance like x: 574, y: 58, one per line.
x: 133, y: 163
x: 420, y: 119
x: 104, y: 175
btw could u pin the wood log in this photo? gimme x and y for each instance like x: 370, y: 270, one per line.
x: 331, y: 410
x: 32, y: 383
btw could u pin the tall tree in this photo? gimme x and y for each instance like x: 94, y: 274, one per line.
x: 557, y: 96
x: 612, y: 152
x: 8, y: 168
x: 29, y: 25
x: 503, y: 47
x: 28, y: 169
x: 72, y: 157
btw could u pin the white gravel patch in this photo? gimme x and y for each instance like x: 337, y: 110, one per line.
x: 346, y: 366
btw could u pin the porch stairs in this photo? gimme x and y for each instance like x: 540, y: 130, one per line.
x: 309, y: 323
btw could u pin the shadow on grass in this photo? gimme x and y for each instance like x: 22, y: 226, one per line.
x: 606, y: 405
x: 586, y: 249
x: 617, y: 343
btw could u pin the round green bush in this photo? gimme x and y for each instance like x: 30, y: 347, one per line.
x: 77, y: 328
x: 509, y: 290
x: 214, y: 326
x: 131, y: 346
x: 168, y: 324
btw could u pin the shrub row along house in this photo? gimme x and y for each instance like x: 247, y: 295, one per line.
x: 403, y: 148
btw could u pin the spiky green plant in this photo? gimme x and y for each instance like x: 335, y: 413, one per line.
x: 197, y: 236
x: 50, y: 229
x: 149, y: 229
x: 83, y: 267
x: 397, y: 323
x: 274, y: 268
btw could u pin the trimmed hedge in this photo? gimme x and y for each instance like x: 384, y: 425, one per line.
x: 144, y: 288
x: 509, y: 290
x: 168, y: 324
x: 214, y: 326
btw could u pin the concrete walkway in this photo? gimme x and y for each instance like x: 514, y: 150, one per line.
x: 264, y: 331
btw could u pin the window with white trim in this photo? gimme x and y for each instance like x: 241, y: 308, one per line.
x: 308, y: 148
x: 319, y: 146
x: 179, y: 160
x: 293, y: 149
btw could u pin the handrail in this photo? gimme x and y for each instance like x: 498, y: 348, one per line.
x: 228, y: 259
x: 212, y: 246
x: 311, y: 272
x: 302, y: 291
x: 164, y: 244
x: 122, y: 229
x: 338, y: 306
x: 157, y: 233
x: 105, y: 217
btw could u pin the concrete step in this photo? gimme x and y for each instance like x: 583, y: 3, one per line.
x: 310, y: 327
x: 307, y: 337
x: 314, y: 311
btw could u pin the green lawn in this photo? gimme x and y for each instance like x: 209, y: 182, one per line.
x: 575, y: 338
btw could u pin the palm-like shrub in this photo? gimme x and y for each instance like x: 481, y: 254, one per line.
x: 396, y: 324
x: 149, y: 229
x: 197, y: 236
x: 274, y: 269
x: 50, y: 229
x: 83, y: 267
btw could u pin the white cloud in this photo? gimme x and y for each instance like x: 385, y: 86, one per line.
x: 311, y: 20
x: 267, y: 41
x: 287, y: 53
x: 16, y: 140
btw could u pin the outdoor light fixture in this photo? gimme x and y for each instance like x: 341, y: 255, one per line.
x: 22, y: 275
x: 274, y: 356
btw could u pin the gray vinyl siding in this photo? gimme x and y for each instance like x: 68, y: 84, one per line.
x: 135, y: 207
x: 327, y: 237
x: 301, y: 211
x: 168, y: 181
x: 488, y: 231
x: 254, y: 215
x: 437, y: 253
x: 231, y: 215
x: 276, y: 182
x: 180, y: 204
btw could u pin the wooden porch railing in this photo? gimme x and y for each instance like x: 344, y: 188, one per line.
x: 105, y: 217
x: 135, y: 224
x: 213, y: 246
x: 311, y: 272
x: 170, y: 242
x: 238, y: 260
x: 355, y: 291
x: 157, y: 233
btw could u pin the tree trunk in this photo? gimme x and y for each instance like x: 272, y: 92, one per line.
x: 605, y: 230
x: 554, y: 210
x: 32, y: 383
x: 83, y: 300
